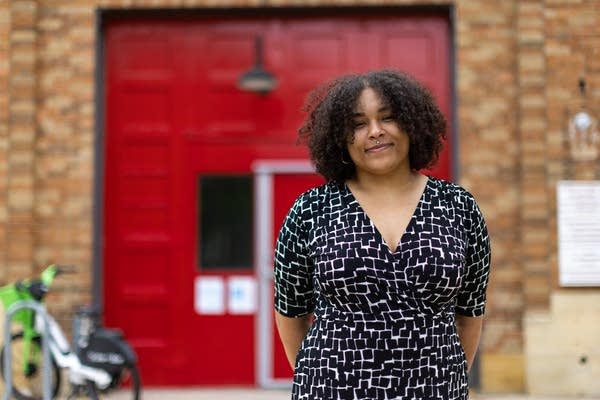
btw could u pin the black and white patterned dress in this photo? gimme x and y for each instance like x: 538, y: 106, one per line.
x: 384, y: 324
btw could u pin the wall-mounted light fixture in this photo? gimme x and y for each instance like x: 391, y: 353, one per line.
x: 257, y: 79
x: 583, y: 131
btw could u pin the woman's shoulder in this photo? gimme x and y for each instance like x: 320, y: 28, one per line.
x: 317, y: 195
x: 452, y: 192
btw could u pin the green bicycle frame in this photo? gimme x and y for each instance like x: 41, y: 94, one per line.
x: 12, y: 294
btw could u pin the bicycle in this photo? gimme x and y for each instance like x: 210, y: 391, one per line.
x: 100, y: 360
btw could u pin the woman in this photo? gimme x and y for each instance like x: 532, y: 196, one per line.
x: 381, y: 273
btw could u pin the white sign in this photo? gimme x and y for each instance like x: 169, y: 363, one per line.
x: 209, y: 295
x: 578, y: 204
x: 242, y: 295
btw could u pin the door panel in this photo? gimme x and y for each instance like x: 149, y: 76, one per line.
x: 222, y: 342
x: 137, y: 225
x: 286, y: 188
x: 277, y: 184
x: 173, y: 114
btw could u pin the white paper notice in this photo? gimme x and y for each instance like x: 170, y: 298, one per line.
x: 242, y: 295
x: 209, y: 295
x: 579, y: 232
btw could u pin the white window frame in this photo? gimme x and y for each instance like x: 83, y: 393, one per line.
x: 264, y: 170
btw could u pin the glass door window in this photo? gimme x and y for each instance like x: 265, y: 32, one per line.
x: 225, y: 223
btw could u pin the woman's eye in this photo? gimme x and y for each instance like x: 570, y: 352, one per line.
x: 388, y: 118
x: 357, y: 125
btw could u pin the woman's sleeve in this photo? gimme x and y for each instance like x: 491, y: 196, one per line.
x: 472, y: 296
x: 293, y: 267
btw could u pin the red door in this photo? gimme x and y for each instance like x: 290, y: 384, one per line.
x: 180, y: 274
x: 286, y: 188
x: 277, y: 184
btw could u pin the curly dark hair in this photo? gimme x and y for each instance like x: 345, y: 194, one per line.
x: 328, y: 125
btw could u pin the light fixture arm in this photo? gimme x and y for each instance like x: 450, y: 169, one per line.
x: 258, y: 51
x: 257, y: 79
x: 582, y: 86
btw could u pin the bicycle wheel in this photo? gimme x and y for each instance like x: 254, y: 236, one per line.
x: 28, y: 381
x: 129, y: 383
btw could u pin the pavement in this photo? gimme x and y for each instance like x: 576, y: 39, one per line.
x: 261, y: 394
x: 251, y: 393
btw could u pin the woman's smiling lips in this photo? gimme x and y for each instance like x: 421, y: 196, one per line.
x: 378, y: 147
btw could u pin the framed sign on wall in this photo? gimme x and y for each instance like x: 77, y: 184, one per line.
x: 578, y: 221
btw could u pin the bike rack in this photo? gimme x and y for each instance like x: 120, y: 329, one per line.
x: 46, y: 383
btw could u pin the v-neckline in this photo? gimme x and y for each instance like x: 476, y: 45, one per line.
x: 376, y: 230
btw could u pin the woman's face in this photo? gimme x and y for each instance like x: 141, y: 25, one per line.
x: 377, y: 145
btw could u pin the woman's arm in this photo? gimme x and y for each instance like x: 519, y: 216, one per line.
x: 292, y: 332
x: 469, y: 333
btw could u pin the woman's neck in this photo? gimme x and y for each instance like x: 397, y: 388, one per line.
x: 401, y: 181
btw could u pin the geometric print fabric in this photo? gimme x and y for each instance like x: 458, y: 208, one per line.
x: 384, y: 321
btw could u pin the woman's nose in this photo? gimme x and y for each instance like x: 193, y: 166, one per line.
x: 375, y: 129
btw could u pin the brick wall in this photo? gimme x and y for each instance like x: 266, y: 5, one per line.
x: 517, y: 68
x: 19, y: 128
x: 4, y: 100
x: 560, y: 357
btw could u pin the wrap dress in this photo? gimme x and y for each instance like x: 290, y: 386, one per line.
x: 384, y: 317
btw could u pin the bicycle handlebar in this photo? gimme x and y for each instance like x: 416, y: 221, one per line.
x: 34, y: 289
x: 53, y: 270
x: 65, y: 269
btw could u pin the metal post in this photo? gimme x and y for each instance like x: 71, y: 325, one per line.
x: 46, y: 362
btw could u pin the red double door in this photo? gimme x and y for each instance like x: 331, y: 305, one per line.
x: 198, y: 175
